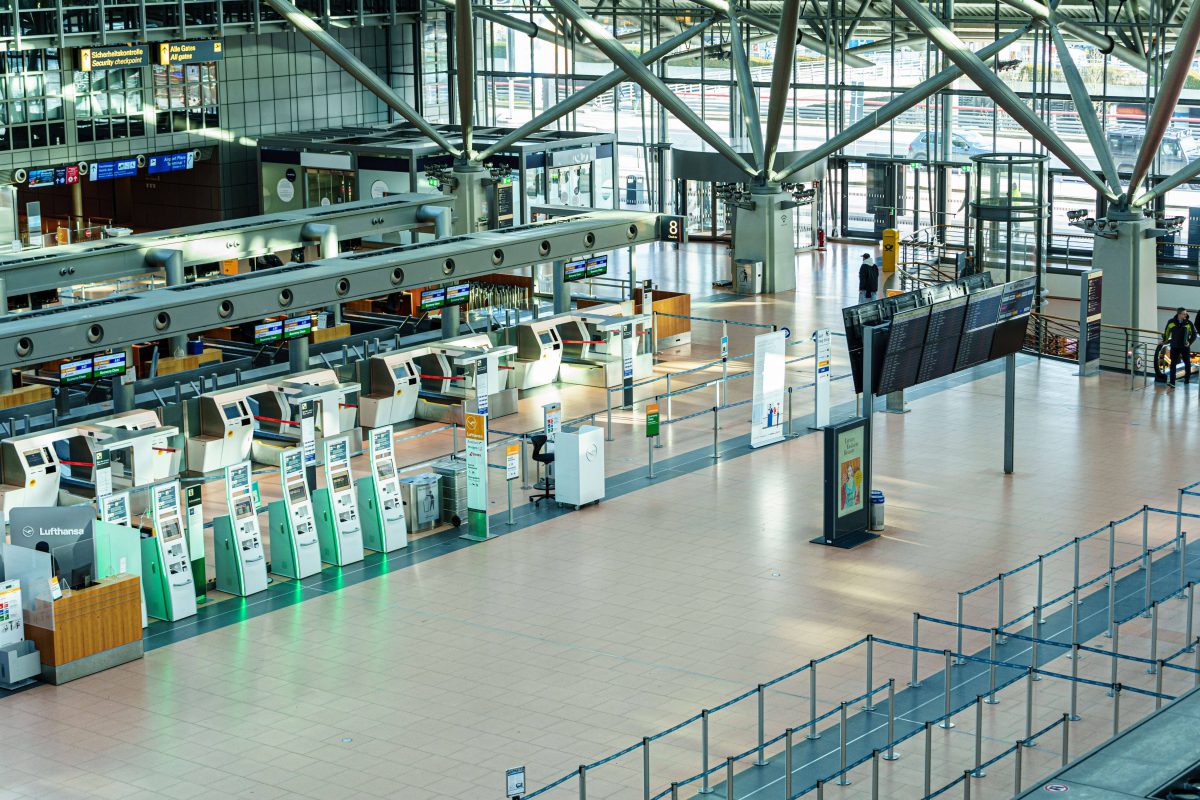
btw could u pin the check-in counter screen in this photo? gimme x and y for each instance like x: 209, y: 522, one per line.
x: 34, y: 458
x: 171, y: 531
x: 341, y: 481
x: 386, y: 470
x: 167, y: 499
x: 232, y: 411
x: 243, y: 509
x: 546, y: 337
x: 296, y: 492
x: 401, y: 371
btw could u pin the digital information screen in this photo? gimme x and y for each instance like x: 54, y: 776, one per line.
x: 109, y: 365
x: 597, y: 265
x: 1009, y: 337
x: 40, y: 177
x: 575, y: 270
x: 1016, y: 299
x: 458, y: 295
x: 941, y: 339
x: 902, y: 358
x: 268, y: 332
x: 296, y: 327
x: 432, y: 299
x: 74, y: 371
x: 983, y: 311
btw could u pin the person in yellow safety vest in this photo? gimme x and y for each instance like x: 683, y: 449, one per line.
x: 1179, y: 335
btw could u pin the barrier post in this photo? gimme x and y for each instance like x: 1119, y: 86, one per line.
x: 1112, y: 545
x: 454, y: 439
x: 787, y: 763
x: 891, y: 754
x: 843, y: 777
x: 1029, y: 708
x: 525, y: 471
x: 1074, y: 620
x: 1033, y: 648
x: 1075, y: 547
x: 716, y: 427
x: 1000, y: 608
x: 1116, y: 652
x: 508, y: 485
x: 761, y: 762
x: 1158, y: 686
x: 1017, y: 767
x: 645, y: 768
x: 650, y: 455
x: 582, y: 782
x: 913, y: 682
x: 1196, y: 665
x: 1112, y: 602
x: 790, y: 434
x: 669, y: 397
x: 608, y: 415
x: 978, y: 772
x: 870, y: 704
x: 812, y: 701
x: 874, y: 775
x: 1182, y: 547
x: 991, y: 701
x: 1041, y: 564
x: 728, y: 779
x: 1150, y: 670
x: 704, y: 787
x: 1147, y: 557
x: 717, y: 393
x: 1191, y: 611
x: 821, y: 790
x: 1075, y: 682
x: 958, y: 645
x: 674, y: 790
x: 928, y: 757
x: 966, y: 784
x: 946, y: 724
x: 1116, y: 709
x: 1179, y: 513
x: 1066, y: 742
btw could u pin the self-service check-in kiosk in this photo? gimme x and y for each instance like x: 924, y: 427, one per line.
x: 31, y: 471
x: 598, y: 346
x: 241, y: 560
x: 166, y: 570
x: 339, y: 529
x: 502, y: 398
x: 226, y: 427
x: 395, y: 383
x: 135, y: 447
x: 337, y: 402
x: 452, y: 376
x: 294, y: 549
x: 379, y: 498
x: 539, y: 354
x: 118, y: 544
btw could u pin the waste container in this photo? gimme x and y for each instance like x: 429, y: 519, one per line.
x: 876, y: 523
x: 747, y: 277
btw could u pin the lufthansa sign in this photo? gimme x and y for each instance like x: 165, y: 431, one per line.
x: 194, y: 52
x: 116, y: 57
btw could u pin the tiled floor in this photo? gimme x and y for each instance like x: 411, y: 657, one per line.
x: 568, y: 640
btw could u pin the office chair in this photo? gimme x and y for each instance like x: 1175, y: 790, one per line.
x: 545, y: 458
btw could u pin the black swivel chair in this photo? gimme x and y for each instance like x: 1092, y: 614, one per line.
x: 541, y: 456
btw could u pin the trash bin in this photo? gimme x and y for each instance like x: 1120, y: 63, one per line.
x: 876, y: 523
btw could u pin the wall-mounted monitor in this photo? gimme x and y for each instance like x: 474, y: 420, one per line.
x: 109, y: 365
x: 76, y: 370
x: 268, y: 332
x: 432, y: 299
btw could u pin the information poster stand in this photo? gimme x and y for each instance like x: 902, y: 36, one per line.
x: 1090, y: 289
x: 847, y: 488
x: 477, y: 486
x: 821, y: 341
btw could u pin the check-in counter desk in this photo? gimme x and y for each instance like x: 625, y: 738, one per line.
x: 139, y: 449
x: 30, y: 470
x: 448, y: 381
x: 395, y: 382
x: 593, y: 343
x: 90, y: 629
x: 259, y: 420
x: 539, y: 353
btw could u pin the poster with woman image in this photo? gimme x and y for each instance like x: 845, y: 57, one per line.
x: 850, y: 471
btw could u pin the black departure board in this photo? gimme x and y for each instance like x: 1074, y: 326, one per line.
x: 902, y: 357
x: 975, y: 347
x: 941, y: 339
x: 983, y: 308
x: 1009, y: 337
x: 1017, y: 299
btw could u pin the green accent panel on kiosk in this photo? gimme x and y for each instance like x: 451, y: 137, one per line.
x: 371, y: 514
x: 477, y: 525
x: 329, y: 543
x: 154, y: 580
x: 284, y: 558
x: 118, y: 549
x: 227, y: 558
x: 200, y: 578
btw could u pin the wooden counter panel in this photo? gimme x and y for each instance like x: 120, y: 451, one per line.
x: 92, y: 620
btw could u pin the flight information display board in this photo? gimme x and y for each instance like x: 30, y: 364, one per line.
x: 902, y: 356
x: 931, y: 332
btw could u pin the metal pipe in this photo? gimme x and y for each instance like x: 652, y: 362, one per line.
x: 870, y: 705
x: 762, y: 703
x: 913, y: 682
x: 583, y: 782
x: 637, y: 71
x: 1150, y: 670
x: 875, y: 774
x: 812, y: 701
x: 1041, y: 582
x: 1116, y: 709
x: 1000, y: 608
x: 588, y: 93
x: 891, y: 754
x: 1158, y: 685
x: 1029, y: 707
x: 928, y: 757
x: 946, y: 724
x: 787, y: 763
x: 464, y: 49
x: 1178, y: 178
x: 781, y: 79
x: 1168, y: 90
x: 843, y: 778
x: 1191, y: 611
x: 1112, y: 545
x: 979, y: 73
x: 746, y: 92
x: 728, y: 778
x: 645, y: 768
x: 1066, y: 740
x: 1017, y: 766
x: 978, y: 773
x: 889, y: 111
x: 704, y: 787
x: 1087, y: 111
x: 359, y: 71
x: 808, y: 42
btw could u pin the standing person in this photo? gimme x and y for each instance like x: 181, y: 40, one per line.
x: 868, y: 278
x: 1179, y: 335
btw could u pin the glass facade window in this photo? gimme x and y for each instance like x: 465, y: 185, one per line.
x: 185, y: 97
x: 109, y: 104
x: 31, y: 109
